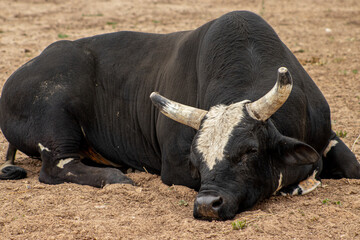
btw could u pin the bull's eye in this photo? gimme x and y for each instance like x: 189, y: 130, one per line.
x: 251, y: 151
x: 244, y: 156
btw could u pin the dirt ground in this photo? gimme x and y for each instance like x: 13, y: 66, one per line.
x: 324, y: 36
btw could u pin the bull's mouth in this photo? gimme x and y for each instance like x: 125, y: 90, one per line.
x: 213, y: 206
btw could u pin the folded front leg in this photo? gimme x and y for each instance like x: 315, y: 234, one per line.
x: 71, y: 169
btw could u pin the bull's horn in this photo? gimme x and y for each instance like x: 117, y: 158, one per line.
x: 263, y: 108
x: 184, y: 114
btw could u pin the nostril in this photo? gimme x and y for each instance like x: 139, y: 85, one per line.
x: 208, y: 206
x: 217, y: 202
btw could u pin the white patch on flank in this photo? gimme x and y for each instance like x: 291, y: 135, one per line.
x: 216, y: 131
x: 42, y: 148
x: 63, y: 162
x: 70, y: 174
x: 279, y: 184
x: 82, y: 130
x: 332, y: 143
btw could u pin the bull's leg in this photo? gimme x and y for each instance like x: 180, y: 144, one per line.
x: 339, y: 161
x: 60, y: 150
x: 303, y: 187
x: 57, y: 170
x: 8, y: 169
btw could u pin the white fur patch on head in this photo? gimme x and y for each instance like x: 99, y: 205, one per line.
x: 331, y: 144
x: 63, y: 162
x: 216, y: 131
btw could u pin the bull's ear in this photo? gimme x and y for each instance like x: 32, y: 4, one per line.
x: 294, y: 152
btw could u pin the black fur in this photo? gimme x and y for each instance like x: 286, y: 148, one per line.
x: 94, y: 92
x: 12, y: 173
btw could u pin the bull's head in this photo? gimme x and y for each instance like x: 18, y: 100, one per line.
x: 238, y: 153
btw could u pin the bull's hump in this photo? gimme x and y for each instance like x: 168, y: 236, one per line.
x: 216, y: 131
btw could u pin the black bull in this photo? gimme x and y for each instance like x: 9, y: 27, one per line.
x: 89, y: 99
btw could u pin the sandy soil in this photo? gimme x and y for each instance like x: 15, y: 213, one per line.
x: 324, y: 35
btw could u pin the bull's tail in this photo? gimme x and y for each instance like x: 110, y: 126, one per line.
x: 12, y: 172
x: 8, y: 170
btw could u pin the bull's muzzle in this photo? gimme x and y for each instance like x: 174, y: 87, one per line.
x: 207, y: 206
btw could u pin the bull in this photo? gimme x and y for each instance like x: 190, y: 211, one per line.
x: 249, y: 121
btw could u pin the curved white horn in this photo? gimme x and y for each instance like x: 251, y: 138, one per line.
x: 181, y: 113
x: 263, y: 108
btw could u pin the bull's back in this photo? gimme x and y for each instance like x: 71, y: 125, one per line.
x: 241, y: 53
x: 129, y: 66
x: 103, y: 83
